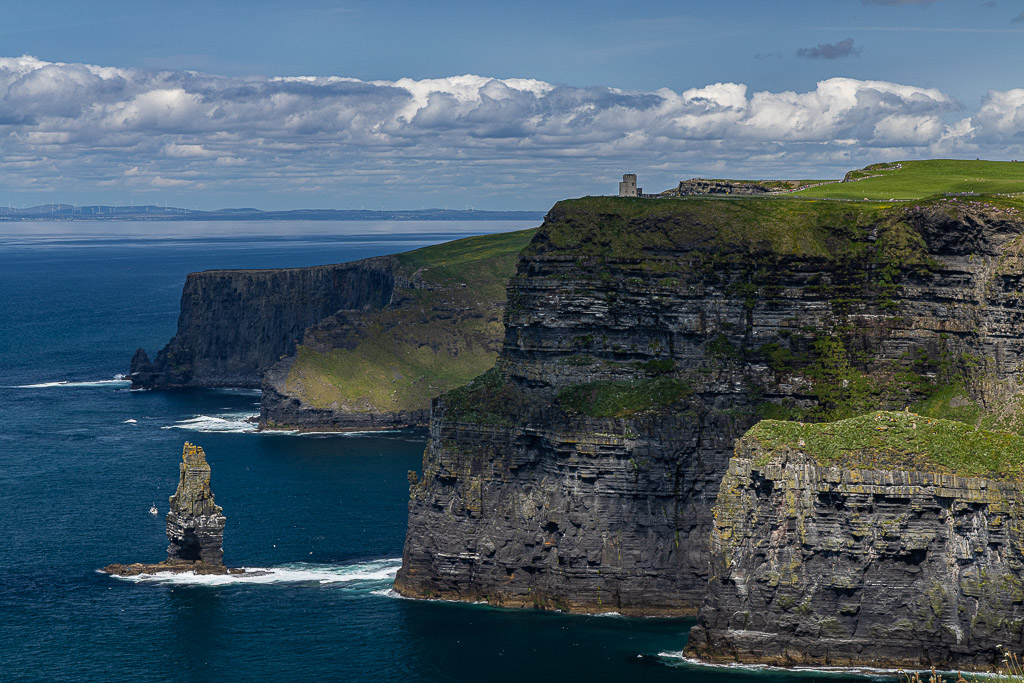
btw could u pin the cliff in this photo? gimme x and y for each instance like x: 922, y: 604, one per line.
x: 356, y: 346
x: 379, y: 369
x: 642, y: 338
x: 234, y: 324
x: 889, y: 539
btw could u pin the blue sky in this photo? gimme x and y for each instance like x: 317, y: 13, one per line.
x: 329, y: 104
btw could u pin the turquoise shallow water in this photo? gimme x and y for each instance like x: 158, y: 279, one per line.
x: 82, y: 459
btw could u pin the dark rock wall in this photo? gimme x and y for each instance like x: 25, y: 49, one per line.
x: 235, y: 324
x: 826, y: 566
x: 582, y: 515
x: 547, y: 508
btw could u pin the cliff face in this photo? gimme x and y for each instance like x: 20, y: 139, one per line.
x: 234, y: 324
x: 643, y: 337
x: 878, y: 556
x: 379, y: 369
x: 358, y: 346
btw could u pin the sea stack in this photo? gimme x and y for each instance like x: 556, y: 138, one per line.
x: 195, y: 524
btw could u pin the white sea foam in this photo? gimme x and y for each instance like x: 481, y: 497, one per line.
x: 372, y: 572
x: 368, y: 432
x: 227, y: 422
x: 238, y: 391
x: 871, y: 672
x: 241, y: 423
x: 117, y: 381
x: 130, y: 421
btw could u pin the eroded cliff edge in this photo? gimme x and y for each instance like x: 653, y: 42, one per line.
x: 357, y: 346
x: 642, y: 338
x: 891, y: 539
x: 234, y: 324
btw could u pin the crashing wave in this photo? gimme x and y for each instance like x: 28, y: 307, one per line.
x: 116, y: 382
x: 370, y: 574
x: 228, y: 422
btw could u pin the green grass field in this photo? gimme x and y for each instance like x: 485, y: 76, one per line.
x: 917, y: 179
x: 896, y: 440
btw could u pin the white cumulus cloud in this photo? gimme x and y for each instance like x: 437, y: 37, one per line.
x: 94, y: 126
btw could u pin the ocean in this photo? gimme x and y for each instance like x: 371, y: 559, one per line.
x: 82, y: 459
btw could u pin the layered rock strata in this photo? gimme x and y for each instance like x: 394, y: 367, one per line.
x: 879, y: 558
x: 195, y: 524
x: 644, y: 337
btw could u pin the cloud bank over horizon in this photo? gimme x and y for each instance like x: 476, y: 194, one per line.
x: 493, y: 142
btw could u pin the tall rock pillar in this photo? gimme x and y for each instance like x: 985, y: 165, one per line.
x: 195, y: 525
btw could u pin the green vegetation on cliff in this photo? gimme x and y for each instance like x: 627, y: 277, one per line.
x: 431, y: 338
x: 625, y: 228
x: 484, y: 261
x: 917, y: 179
x: 954, y: 402
x: 622, y: 398
x: 895, y: 440
x: 487, y: 399
x: 721, y: 232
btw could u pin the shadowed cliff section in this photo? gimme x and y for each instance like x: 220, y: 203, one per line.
x: 644, y: 337
x: 234, y: 324
x: 890, y: 539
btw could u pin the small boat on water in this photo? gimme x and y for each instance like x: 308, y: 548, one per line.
x: 153, y: 510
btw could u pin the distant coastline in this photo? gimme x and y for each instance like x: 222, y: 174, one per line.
x: 68, y: 212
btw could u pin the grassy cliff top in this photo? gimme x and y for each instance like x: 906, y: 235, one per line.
x: 894, y: 440
x: 483, y: 263
x: 627, y: 227
x: 917, y: 179
x: 460, y: 260
x: 785, y: 225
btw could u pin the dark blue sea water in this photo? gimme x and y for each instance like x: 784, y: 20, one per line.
x: 82, y: 459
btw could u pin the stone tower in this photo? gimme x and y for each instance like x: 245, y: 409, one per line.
x: 195, y: 525
x: 628, y: 188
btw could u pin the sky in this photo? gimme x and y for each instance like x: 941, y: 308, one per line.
x: 514, y: 105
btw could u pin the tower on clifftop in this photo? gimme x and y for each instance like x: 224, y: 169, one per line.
x: 628, y: 188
